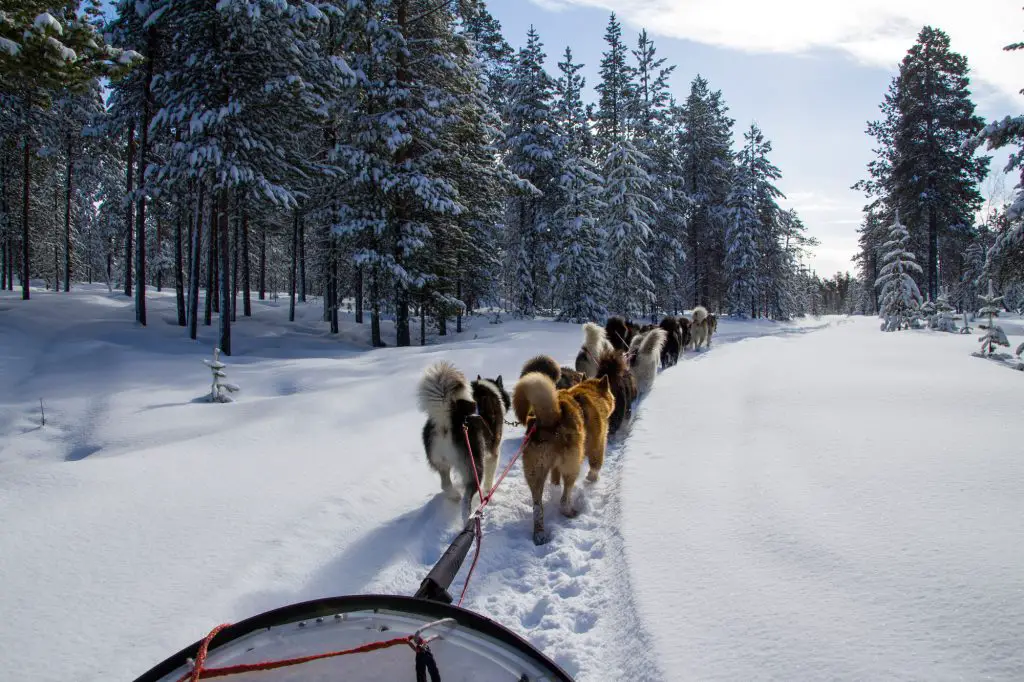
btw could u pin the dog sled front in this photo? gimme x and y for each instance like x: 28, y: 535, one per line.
x: 367, y: 638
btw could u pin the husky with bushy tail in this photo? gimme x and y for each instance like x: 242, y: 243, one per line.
x: 595, y: 343
x: 645, y: 353
x: 701, y: 327
x: 455, y: 408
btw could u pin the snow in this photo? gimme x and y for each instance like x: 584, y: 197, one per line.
x: 9, y: 46
x: 721, y: 542
x: 46, y: 21
x: 839, y: 505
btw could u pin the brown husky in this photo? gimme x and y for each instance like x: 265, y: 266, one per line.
x: 597, y: 401
x: 558, y: 440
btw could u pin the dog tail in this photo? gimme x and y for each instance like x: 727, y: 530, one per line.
x: 538, y: 391
x: 652, y: 342
x: 611, y: 364
x: 699, y: 314
x: 594, y: 337
x: 545, y: 364
x: 441, y: 386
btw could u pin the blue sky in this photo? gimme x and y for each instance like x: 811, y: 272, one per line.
x: 810, y: 73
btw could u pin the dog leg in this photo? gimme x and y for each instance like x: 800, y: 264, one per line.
x: 490, y: 466
x: 568, y: 481
x: 556, y: 478
x: 595, y: 457
x: 446, y: 484
x: 535, y: 479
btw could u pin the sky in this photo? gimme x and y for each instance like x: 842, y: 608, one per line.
x: 810, y: 73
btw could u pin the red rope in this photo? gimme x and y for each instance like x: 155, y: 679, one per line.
x: 485, y: 499
x: 201, y: 673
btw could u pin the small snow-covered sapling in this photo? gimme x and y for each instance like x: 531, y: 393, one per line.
x: 928, y: 312
x: 220, y: 390
x: 994, y: 334
x: 944, y: 318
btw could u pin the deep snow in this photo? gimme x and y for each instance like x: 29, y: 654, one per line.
x: 138, y: 517
x: 841, y: 505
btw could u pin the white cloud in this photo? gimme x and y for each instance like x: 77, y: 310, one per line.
x: 875, y: 32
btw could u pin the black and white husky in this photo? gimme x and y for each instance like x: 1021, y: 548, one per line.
x: 451, y: 403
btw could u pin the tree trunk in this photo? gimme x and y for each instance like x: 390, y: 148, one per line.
x: 56, y: 241
x: 26, y: 183
x: 333, y: 251
x: 67, y: 222
x: 246, y: 292
x: 193, y: 265
x: 302, y: 260
x: 375, y: 339
x: 234, y: 270
x: 359, y: 294
x: 295, y: 266
x: 158, y: 250
x: 215, y: 245
x: 458, y: 315
x: 933, y: 254
x: 225, y: 273
x: 263, y: 262
x: 179, y: 275
x: 442, y: 325
x: 423, y: 321
x: 130, y: 216
x: 211, y: 263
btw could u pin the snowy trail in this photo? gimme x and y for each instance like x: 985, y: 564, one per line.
x: 843, y: 505
x: 138, y: 517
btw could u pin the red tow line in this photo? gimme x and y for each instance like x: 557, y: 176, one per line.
x: 485, y: 499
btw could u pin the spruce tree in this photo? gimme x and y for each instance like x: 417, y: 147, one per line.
x: 530, y: 147
x: 925, y: 165
x: 900, y: 297
x: 616, y: 92
x: 741, y: 255
x: 579, y: 272
x: 705, y: 146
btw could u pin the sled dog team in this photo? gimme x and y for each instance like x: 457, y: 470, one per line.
x: 570, y: 412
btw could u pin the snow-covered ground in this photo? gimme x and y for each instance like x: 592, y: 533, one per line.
x: 795, y: 505
x: 843, y: 505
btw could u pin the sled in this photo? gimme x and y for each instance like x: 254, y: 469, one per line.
x: 367, y: 637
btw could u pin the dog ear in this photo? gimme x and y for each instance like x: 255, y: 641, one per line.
x: 498, y: 382
x: 478, y: 377
x: 604, y: 384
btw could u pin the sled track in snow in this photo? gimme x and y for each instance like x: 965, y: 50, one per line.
x: 572, y: 597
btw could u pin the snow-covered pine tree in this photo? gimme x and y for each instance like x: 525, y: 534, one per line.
x: 1008, y: 132
x: 220, y: 390
x: 705, y: 146
x: 616, y: 93
x: 530, y: 144
x: 928, y: 312
x: 650, y: 129
x: 243, y: 79
x: 741, y: 237
x: 464, y: 253
x: 944, y: 314
x: 900, y: 298
x: 925, y: 164
x: 626, y: 220
x: 580, y: 286
x: 994, y: 335
x: 44, y: 52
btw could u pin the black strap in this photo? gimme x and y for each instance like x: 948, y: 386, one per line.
x: 425, y: 662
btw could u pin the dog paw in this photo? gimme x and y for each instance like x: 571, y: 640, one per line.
x: 593, y: 475
x: 453, y: 494
x: 541, y: 537
x: 570, y: 512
